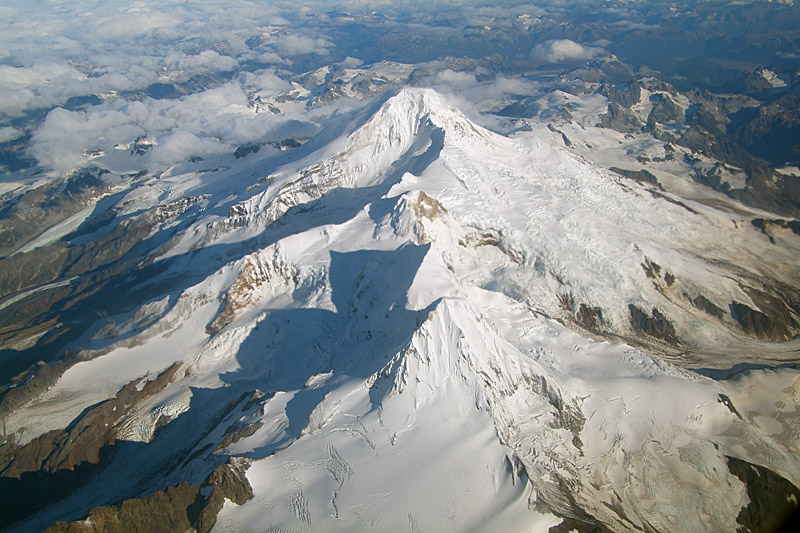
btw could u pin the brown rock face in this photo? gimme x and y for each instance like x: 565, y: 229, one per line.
x: 56, y: 463
x: 229, y: 481
x: 175, y: 509
x: 773, y: 499
x: 758, y: 324
x: 82, y: 441
x: 655, y: 326
x: 704, y: 304
x: 162, y: 511
x: 591, y: 317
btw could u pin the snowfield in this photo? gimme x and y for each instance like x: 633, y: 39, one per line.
x: 413, y: 295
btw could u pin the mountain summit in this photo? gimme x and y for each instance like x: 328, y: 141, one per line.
x: 412, y: 322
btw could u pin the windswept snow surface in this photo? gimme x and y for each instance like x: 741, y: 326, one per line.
x: 398, y: 291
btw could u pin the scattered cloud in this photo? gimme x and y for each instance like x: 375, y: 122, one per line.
x: 97, y: 58
x: 561, y: 50
x: 8, y: 133
x: 291, y: 45
x: 91, y: 47
x: 205, y: 61
x: 473, y: 94
x: 265, y: 81
x: 205, y: 123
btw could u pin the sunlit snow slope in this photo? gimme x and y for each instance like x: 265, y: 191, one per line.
x: 446, y: 330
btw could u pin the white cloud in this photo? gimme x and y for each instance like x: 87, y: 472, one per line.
x: 132, y: 23
x: 203, y: 124
x: 60, y: 141
x: 95, y: 47
x: 9, y: 134
x: 564, y: 50
x: 471, y: 93
x: 21, y: 77
x: 265, y: 81
x: 44, y: 85
x: 102, y: 46
x: 181, y: 144
x: 112, y: 47
x: 451, y: 80
x: 296, y: 45
x: 205, y: 61
x: 263, y: 57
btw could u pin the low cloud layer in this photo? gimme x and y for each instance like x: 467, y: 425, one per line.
x: 295, y: 45
x: 206, y: 123
x: 79, y: 77
x: 89, y: 47
x: 562, y: 50
x: 477, y: 92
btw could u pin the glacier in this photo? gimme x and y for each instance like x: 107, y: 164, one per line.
x: 440, y: 327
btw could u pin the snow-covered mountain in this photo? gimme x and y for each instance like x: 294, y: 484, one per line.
x: 413, y: 323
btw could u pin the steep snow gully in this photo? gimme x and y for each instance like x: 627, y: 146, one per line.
x: 419, y: 324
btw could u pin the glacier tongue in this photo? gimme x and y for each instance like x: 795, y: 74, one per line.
x: 455, y: 330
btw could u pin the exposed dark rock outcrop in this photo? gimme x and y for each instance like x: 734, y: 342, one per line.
x: 620, y: 119
x: 286, y: 144
x: 751, y: 134
x: 237, y: 432
x: 160, y: 91
x: 664, y: 110
x: 590, y: 317
x: 48, y: 263
x: 773, y: 499
x: 25, y: 216
x: 83, y: 439
x: 624, y: 95
x: 642, y: 176
x: 55, y: 464
x: 14, y: 155
x: 725, y: 400
x: 670, y: 199
x: 29, y: 384
x: 656, y: 326
x: 774, y: 317
x: 704, y: 304
x: 37, y: 327
x: 770, y: 131
x: 526, y: 108
x: 245, y: 150
x: 588, y: 525
x: 607, y: 70
x: 767, y: 226
x: 761, y: 325
x: 141, y: 146
x: 651, y: 268
x: 176, y: 509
